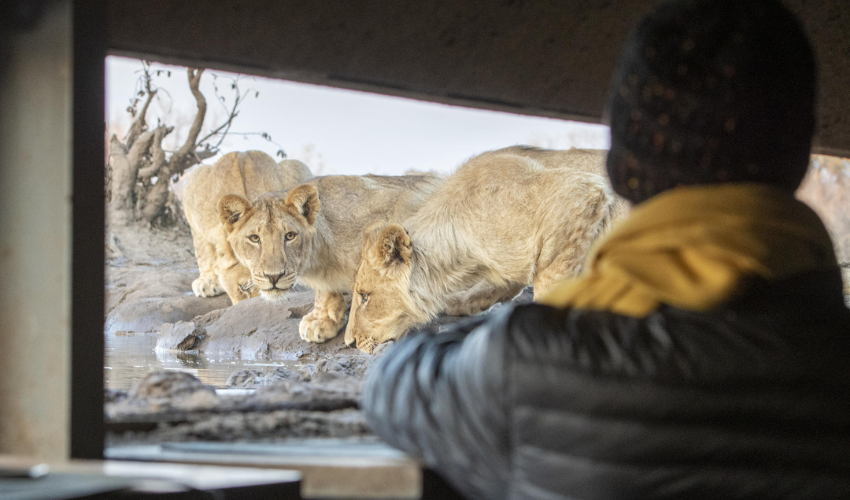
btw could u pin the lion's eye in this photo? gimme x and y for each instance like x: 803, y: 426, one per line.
x: 364, y: 297
x: 290, y: 236
x: 254, y: 238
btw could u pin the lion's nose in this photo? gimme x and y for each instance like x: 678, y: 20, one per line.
x: 273, y: 277
x: 351, y: 343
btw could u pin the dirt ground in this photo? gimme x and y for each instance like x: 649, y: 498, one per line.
x: 148, y: 293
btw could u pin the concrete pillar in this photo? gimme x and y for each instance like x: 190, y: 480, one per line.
x: 35, y: 235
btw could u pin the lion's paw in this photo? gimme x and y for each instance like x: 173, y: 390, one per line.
x: 207, y: 287
x: 318, y: 329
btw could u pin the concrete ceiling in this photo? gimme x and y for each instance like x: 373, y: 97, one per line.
x: 548, y: 58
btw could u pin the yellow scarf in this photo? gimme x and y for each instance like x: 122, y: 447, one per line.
x: 691, y: 247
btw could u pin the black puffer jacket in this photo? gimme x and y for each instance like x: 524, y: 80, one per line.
x: 750, y: 401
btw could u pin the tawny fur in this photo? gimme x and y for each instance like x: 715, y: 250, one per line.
x: 312, y: 235
x: 504, y: 220
x: 249, y: 175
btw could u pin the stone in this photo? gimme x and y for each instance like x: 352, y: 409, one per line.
x: 168, y: 385
x: 142, y: 300
x: 181, y: 336
x: 244, y: 379
x: 253, y: 329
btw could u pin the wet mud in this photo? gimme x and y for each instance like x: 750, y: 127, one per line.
x: 184, y: 368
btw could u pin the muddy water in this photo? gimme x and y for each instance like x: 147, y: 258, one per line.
x: 129, y: 358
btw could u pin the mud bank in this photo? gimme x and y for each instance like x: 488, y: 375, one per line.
x: 253, y: 329
x: 315, y: 401
x: 148, y: 294
x: 149, y: 277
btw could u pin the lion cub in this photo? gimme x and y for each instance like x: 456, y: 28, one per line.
x: 504, y: 220
x: 249, y: 174
x: 312, y: 234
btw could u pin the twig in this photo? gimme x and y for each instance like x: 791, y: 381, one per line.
x: 195, y: 130
x: 232, y: 113
x: 264, y: 135
x: 139, y: 124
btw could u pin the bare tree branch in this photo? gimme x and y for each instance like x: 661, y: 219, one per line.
x: 139, y: 148
x: 222, y: 129
x: 232, y: 113
x: 182, y: 159
x: 116, y: 146
x: 157, y: 154
x: 125, y: 166
x: 195, y: 130
x: 264, y: 135
x: 139, y: 124
x: 203, y: 154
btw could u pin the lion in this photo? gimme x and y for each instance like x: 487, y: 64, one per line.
x: 501, y: 222
x: 248, y: 174
x: 580, y: 160
x: 311, y: 234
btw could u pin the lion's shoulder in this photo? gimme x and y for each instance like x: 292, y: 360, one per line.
x: 586, y: 160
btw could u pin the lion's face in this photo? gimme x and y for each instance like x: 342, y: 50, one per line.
x: 272, y: 237
x: 381, y: 305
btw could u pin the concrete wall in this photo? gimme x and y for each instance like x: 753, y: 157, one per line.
x: 549, y: 58
x: 35, y: 244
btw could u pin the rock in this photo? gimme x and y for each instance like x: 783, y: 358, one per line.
x: 167, y: 385
x: 272, y: 426
x: 244, y: 379
x: 253, y: 329
x: 279, y: 374
x: 251, y: 379
x: 181, y: 336
x: 200, y: 400
x: 325, y: 392
x: 143, y: 299
x: 347, y: 365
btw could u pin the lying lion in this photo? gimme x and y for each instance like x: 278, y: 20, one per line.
x: 312, y: 234
x: 501, y: 222
x: 249, y: 174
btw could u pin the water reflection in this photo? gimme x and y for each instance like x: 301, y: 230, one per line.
x: 131, y: 357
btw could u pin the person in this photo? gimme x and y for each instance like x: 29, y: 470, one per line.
x: 704, y: 351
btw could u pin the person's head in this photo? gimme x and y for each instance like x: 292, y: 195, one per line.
x: 712, y: 91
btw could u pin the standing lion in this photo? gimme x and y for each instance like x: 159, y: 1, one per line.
x: 249, y: 174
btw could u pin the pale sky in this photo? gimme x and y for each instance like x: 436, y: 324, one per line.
x: 338, y: 131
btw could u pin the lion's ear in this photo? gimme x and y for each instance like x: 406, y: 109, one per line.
x: 394, y: 246
x: 304, y: 199
x: 231, y: 208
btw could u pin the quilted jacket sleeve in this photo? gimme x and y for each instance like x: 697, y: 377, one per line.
x: 442, y: 398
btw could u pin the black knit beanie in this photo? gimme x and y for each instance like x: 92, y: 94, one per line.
x: 712, y: 91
